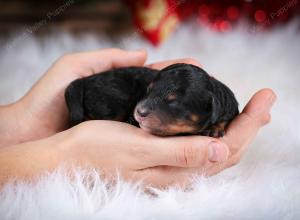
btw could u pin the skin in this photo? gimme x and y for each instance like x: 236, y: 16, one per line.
x: 34, y: 139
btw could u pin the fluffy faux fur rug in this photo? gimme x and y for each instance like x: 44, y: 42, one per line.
x: 266, y: 183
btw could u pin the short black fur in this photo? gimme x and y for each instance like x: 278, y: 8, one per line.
x: 179, y: 99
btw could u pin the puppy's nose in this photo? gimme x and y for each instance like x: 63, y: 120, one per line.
x: 143, y: 112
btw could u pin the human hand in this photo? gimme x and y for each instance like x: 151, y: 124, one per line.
x: 158, y: 161
x: 240, y: 132
x: 243, y: 129
x: 42, y: 112
x: 111, y: 146
x: 164, y: 161
x: 170, y: 160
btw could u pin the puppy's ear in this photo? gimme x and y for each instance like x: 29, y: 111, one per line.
x: 215, y: 107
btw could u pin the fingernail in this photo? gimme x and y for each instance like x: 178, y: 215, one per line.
x: 218, y: 152
x: 270, y: 101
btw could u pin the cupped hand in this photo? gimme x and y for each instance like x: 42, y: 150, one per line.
x: 157, y: 161
x: 243, y: 129
x: 42, y: 112
x: 111, y: 145
x: 164, y: 161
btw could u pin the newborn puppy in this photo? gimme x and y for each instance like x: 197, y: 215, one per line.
x: 180, y: 99
x: 184, y: 99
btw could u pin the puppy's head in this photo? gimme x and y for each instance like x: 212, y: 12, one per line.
x: 177, y: 101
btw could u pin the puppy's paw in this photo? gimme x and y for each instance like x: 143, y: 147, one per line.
x: 215, y: 131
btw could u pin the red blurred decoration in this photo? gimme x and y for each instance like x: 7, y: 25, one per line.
x: 156, y: 19
x: 260, y: 16
x: 225, y: 26
x: 233, y: 12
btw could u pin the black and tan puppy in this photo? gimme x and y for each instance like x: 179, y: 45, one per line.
x: 184, y: 99
x: 180, y: 99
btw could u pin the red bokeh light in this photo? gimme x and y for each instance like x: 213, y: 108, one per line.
x: 224, y: 26
x: 260, y: 16
x: 204, y: 10
x: 232, y: 12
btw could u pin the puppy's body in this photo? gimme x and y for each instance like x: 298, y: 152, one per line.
x: 111, y: 95
x: 180, y: 99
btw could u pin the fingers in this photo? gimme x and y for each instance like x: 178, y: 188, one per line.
x: 258, y: 108
x: 163, y: 64
x: 97, y: 61
x: 242, y: 129
x: 113, y: 58
x: 256, y: 114
x: 192, y: 151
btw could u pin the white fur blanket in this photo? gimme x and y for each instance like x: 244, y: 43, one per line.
x: 266, y: 183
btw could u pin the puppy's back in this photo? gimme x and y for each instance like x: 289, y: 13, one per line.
x: 109, y: 95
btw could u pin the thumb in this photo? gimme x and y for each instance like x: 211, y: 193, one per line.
x: 258, y: 108
x: 192, y: 151
x: 98, y: 61
x: 244, y: 127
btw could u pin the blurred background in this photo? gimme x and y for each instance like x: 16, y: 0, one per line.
x: 154, y: 19
x: 230, y: 38
x: 227, y: 37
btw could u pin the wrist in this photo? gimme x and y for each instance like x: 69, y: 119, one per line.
x: 9, y: 125
x: 15, y: 126
x: 31, y: 159
x: 18, y: 124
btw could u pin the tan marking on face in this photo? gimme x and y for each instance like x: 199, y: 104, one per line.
x: 171, y: 97
x: 180, y: 127
x: 194, y: 117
